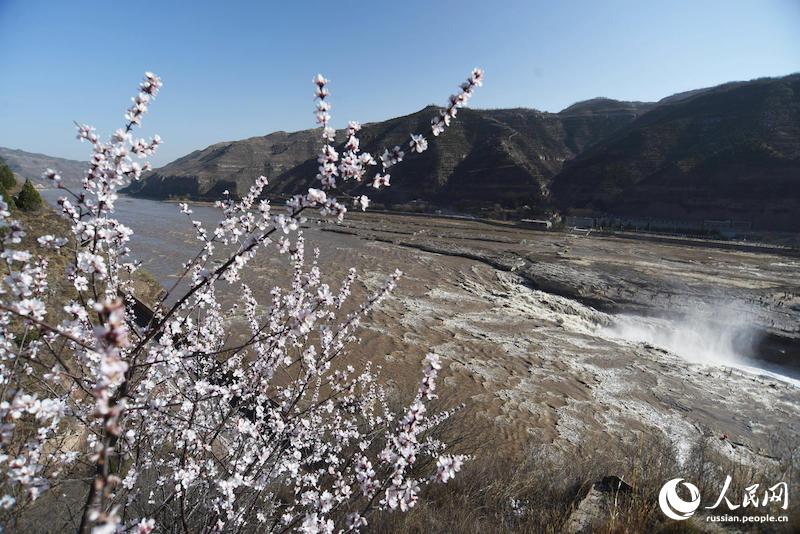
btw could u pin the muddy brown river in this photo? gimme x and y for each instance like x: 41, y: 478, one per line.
x: 557, y: 340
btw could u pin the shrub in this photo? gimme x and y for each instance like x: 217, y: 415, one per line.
x: 28, y: 198
x: 7, y: 180
x: 174, y: 425
x: 7, y: 184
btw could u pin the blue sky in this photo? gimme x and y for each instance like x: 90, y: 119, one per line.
x: 238, y: 69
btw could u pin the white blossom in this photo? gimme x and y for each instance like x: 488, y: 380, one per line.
x: 418, y: 143
x: 51, y: 175
x: 31, y: 307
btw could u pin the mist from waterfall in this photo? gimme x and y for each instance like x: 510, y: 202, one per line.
x: 721, y: 335
x: 726, y: 337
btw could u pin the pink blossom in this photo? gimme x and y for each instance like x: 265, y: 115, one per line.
x: 418, y: 143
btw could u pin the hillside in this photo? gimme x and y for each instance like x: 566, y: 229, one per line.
x: 731, y: 152
x: 489, y: 160
x: 31, y: 165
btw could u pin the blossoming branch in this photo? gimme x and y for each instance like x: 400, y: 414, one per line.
x: 174, y: 425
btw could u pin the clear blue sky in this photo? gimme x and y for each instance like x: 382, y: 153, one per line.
x: 239, y: 69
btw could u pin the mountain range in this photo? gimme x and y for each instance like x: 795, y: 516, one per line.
x: 730, y: 152
x: 487, y: 161
x: 725, y: 152
x: 31, y: 165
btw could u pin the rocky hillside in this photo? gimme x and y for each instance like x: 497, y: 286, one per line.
x: 731, y: 152
x: 30, y: 165
x: 502, y: 158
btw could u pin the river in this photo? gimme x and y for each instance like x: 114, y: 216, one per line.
x: 512, y: 313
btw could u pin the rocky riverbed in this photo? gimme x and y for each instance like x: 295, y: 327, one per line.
x: 569, y: 340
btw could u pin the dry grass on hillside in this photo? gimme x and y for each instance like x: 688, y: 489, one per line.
x: 538, y: 494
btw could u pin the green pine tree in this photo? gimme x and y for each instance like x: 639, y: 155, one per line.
x: 7, y: 184
x: 7, y: 181
x: 29, y: 198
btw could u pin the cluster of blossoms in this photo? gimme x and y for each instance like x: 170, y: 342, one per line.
x: 174, y: 419
x: 354, y: 164
x: 419, y: 143
x: 458, y: 100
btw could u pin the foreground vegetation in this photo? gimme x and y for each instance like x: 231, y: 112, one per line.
x: 541, y: 491
x: 165, y: 420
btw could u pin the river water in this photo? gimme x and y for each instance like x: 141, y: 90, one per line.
x: 163, y: 239
x: 162, y: 236
x: 535, y: 366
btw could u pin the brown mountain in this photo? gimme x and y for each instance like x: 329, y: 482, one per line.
x: 729, y: 152
x: 493, y: 160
